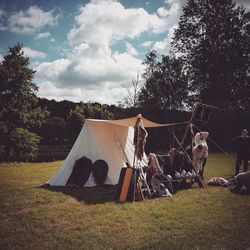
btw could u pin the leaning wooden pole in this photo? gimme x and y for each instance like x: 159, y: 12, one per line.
x: 189, y: 124
x: 201, y: 182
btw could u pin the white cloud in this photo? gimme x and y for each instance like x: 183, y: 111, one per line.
x: 163, y: 47
x: 33, y: 53
x: 90, y: 70
x: 105, y: 21
x: 31, y: 20
x: 173, y: 13
x: 35, y: 63
x: 131, y: 50
x: 42, y: 35
x: 1, y: 57
x: 51, y: 91
x: 89, y: 66
x: 50, y: 71
x: 147, y: 44
x: 245, y: 3
x: 107, y: 94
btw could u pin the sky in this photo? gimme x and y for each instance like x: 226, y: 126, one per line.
x: 88, y: 51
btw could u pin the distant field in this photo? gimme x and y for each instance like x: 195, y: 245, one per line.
x: 32, y: 217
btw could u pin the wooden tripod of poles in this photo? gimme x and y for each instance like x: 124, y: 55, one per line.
x: 200, y: 180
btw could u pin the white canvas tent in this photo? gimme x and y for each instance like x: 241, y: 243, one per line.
x: 97, y: 140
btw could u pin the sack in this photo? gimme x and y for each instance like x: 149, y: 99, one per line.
x: 100, y: 171
x: 218, y: 181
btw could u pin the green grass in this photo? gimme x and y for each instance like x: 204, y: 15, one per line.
x: 32, y: 217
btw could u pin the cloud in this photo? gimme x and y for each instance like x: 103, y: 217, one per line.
x: 33, y: 53
x: 35, y: 63
x: 131, y: 50
x: 172, y: 15
x: 32, y: 20
x: 42, y: 35
x: 1, y: 57
x: 147, y: 44
x: 245, y: 3
x: 164, y: 47
x: 105, y: 21
x: 89, y: 66
x: 90, y: 70
x: 107, y: 94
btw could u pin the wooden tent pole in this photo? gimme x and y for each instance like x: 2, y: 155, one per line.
x: 189, y: 123
x: 202, y: 183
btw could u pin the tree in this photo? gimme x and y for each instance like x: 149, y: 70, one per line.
x: 18, y: 104
x: 54, y: 130
x: 132, y: 98
x: 213, y: 36
x: 165, y: 82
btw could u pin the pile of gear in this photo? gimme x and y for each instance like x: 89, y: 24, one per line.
x: 237, y: 184
x: 168, y: 173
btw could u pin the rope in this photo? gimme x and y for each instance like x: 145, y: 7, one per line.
x: 173, y: 124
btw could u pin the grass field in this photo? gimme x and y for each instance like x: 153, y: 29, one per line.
x: 32, y: 217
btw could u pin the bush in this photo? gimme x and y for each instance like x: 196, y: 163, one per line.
x: 24, y: 145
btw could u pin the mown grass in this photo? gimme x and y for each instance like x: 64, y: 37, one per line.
x: 69, y: 218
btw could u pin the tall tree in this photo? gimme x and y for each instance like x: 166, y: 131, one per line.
x: 165, y: 82
x: 19, y: 113
x: 213, y: 36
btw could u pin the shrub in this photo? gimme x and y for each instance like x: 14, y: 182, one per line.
x: 24, y: 145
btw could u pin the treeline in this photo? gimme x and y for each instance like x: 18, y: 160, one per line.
x: 66, y: 119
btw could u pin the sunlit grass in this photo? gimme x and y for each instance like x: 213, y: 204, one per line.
x: 68, y: 218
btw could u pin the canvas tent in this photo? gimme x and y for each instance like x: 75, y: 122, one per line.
x: 98, y: 140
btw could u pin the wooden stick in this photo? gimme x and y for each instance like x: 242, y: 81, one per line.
x: 121, y: 151
x: 202, y: 183
x: 189, y: 123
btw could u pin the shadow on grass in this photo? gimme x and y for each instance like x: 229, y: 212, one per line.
x: 88, y: 195
x: 242, y: 192
x: 98, y: 195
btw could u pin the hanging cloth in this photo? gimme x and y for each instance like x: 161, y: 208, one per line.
x: 140, y: 135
